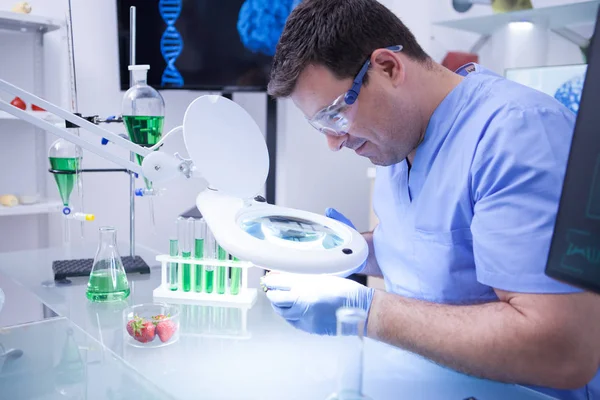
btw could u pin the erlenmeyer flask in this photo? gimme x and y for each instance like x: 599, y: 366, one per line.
x: 108, y: 281
x: 350, y: 331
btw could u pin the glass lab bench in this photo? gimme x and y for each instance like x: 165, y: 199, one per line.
x: 77, y: 350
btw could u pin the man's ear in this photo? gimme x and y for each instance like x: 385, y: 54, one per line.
x: 389, y: 64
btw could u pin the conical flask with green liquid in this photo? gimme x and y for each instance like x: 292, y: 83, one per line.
x: 108, y: 280
x: 65, y: 162
x: 143, y: 110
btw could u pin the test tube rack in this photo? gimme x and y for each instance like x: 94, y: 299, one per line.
x: 223, y: 322
x: 245, y: 297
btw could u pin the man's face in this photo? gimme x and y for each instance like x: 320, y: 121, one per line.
x: 380, y: 120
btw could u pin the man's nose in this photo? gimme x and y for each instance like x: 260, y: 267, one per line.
x: 336, y: 143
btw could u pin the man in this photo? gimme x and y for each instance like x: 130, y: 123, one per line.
x: 469, y: 179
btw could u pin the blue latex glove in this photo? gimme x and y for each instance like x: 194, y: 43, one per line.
x: 338, y: 216
x: 309, y: 302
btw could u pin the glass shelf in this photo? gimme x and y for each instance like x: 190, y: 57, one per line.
x: 554, y: 17
x: 27, y: 23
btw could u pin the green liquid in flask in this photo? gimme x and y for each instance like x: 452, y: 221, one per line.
x: 103, y: 286
x: 198, y: 254
x: 145, y: 131
x: 187, y: 272
x: 65, y: 182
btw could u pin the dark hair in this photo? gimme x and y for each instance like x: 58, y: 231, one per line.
x: 338, y: 34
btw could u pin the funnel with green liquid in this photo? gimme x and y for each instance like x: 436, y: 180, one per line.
x: 65, y: 160
x: 143, y: 111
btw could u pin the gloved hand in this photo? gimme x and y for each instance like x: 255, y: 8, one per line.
x: 309, y: 302
x: 338, y: 216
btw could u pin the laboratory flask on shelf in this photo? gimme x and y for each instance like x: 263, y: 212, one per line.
x: 350, y: 333
x: 108, y: 281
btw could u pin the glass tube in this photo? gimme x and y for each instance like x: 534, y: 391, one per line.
x: 199, y: 253
x: 222, y: 271
x: 350, y: 331
x: 172, y: 267
x: 236, y: 278
x: 210, y: 253
x: 184, y: 236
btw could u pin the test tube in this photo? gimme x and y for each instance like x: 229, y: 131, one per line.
x: 199, y: 252
x: 236, y: 277
x: 222, y: 271
x: 209, y: 253
x: 185, y: 234
x: 172, y: 267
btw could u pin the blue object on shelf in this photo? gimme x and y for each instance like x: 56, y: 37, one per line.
x: 104, y: 141
x: 66, y: 211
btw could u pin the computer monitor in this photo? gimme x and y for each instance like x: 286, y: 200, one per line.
x: 575, y: 250
x: 563, y: 82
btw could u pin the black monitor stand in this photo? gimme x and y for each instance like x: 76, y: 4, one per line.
x: 575, y: 250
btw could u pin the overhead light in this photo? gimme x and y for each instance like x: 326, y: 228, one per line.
x: 520, y: 26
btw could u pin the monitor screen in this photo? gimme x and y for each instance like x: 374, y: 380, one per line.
x: 202, y: 44
x: 564, y: 82
x: 575, y: 250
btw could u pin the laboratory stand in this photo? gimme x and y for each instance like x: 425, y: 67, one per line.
x: 272, y: 361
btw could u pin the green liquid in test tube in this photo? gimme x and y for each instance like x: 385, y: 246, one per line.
x: 173, y: 273
x: 185, y: 235
x: 221, y: 272
x: 236, y: 278
x: 210, y: 254
x: 199, y: 253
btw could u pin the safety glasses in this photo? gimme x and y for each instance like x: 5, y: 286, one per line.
x: 335, y: 119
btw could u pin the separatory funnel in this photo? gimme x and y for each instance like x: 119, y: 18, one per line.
x: 143, y: 111
x: 108, y: 281
x: 65, y: 162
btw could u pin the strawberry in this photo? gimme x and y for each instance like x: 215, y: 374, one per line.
x: 141, y: 330
x: 17, y: 102
x: 165, y: 330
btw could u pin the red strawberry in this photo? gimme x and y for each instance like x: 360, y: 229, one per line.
x: 17, y: 102
x: 165, y: 330
x: 140, y: 330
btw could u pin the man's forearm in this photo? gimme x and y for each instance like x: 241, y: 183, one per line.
x: 372, y: 267
x: 491, y: 340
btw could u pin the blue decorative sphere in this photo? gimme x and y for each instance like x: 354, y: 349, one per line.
x: 569, y: 93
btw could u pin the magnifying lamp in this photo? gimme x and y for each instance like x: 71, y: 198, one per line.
x: 227, y: 149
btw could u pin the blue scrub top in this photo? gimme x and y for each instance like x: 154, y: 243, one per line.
x: 477, y: 209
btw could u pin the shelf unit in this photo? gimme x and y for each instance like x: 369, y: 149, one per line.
x: 37, y: 27
x: 42, y: 207
x: 553, y: 17
x: 557, y: 19
x: 39, y: 114
x: 27, y: 23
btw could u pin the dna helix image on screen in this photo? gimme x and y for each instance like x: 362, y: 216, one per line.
x: 171, y: 43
